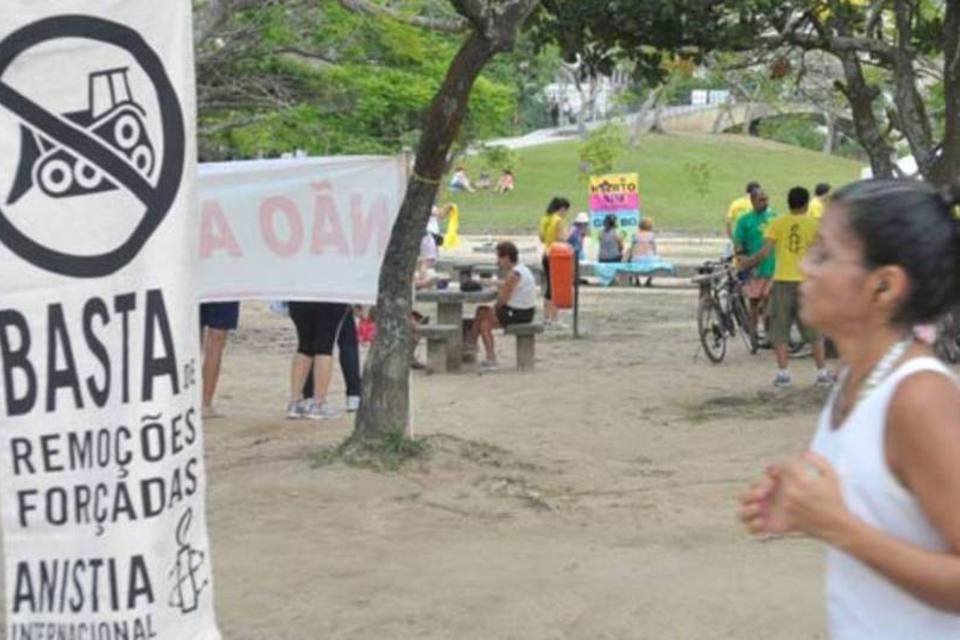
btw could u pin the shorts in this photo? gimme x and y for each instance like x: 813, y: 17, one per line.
x: 785, y: 311
x: 507, y: 316
x: 317, y: 324
x: 220, y: 315
x: 757, y: 288
x: 547, y: 289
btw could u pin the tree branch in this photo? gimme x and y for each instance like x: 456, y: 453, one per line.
x: 833, y: 44
x: 367, y: 7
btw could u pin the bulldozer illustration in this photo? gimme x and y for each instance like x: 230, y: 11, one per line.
x: 113, y: 116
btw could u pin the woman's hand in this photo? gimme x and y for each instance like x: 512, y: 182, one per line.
x: 810, y: 498
x: 760, y: 509
x: 801, y: 496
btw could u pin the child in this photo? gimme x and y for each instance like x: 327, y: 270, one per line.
x: 506, y: 182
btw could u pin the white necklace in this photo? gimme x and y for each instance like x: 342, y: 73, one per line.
x: 884, y: 366
x: 877, y: 375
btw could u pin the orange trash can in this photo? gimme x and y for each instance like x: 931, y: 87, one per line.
x: 561, y: 274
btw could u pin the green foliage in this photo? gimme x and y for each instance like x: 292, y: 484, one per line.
x: 601, y: 149
x: 321, y: 78
x: 800, y: 131
x: 496, y: 158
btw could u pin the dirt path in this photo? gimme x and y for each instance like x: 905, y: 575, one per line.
x: 592, y: 498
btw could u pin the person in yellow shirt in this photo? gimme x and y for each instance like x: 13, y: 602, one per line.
x: 552, y: 230
x: 788, y: 238
x: 820, y: 194
x: 739, y: 207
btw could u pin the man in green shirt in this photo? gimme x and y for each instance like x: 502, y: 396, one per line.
x: 748, y: 240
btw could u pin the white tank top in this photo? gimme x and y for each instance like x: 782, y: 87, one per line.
x: 861, y: 603
x: 524, y: 294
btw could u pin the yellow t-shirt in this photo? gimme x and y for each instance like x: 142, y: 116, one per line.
x: 794, y: 235
x: 550, y: 229
x: 815, y: 210
x: 737, y: 208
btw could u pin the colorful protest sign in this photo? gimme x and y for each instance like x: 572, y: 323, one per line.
x: 102, y: 482
x: 619, y: 195
x: 301, y: 229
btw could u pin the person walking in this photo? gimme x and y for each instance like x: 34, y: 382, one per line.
x: 789, y: 238
x: 880, y: 484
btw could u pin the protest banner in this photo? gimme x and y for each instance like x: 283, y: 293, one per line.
x: 615, y: 194
x: 298, y: 229
x: 102, y: 483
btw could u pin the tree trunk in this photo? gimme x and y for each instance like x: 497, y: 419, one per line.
x: 385, y: 406
x: 861, y: 96
x: 657, y: 126
x: 946, y: 168
x: 640, y: 125
x: 911, y: 118
x: 830, y: 140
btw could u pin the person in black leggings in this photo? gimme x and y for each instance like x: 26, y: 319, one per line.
x: 317, y: 324
x: 349, y: 347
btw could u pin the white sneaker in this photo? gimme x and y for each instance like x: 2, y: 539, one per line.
x: 782, y: 381
x: 488, y: 366
x: 317, y: 411
x: 296, y: 410
x: 825, y: 378
x: 353, y: 404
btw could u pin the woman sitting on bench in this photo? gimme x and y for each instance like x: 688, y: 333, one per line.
x: 515, y: 303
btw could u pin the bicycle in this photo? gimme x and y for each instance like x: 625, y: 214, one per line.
x: 722, y: 311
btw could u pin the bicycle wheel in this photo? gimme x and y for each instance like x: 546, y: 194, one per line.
x: 710, y: 326
x: 742, y: 317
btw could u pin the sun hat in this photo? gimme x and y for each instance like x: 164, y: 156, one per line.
x: 582, y: 218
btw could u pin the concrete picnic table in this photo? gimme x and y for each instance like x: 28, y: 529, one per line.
x: 450, y: 312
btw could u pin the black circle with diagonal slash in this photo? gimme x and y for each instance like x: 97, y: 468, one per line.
x: 157, y: 200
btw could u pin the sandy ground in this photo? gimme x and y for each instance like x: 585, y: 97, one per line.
x: 592, y: 498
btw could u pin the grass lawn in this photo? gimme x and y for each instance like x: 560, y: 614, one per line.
x: 667, y: 186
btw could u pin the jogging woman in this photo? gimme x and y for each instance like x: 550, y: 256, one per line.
x: 881, y: 483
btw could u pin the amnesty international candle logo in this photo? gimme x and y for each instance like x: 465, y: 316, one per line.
x: 188, y: 582
x: 101, y: 447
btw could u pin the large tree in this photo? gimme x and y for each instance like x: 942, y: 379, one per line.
x: 897, y: 59
x: 492, y: 28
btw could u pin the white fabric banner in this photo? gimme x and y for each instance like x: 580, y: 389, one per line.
x: 300, y: 229
x: 101, y: 449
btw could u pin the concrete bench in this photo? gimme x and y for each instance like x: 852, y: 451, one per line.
x: 438, y: 336
x: 526, y: 335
